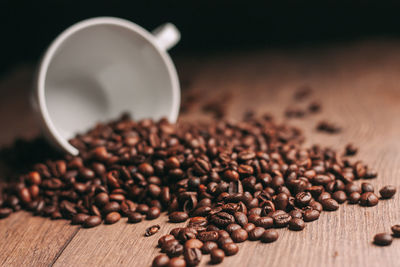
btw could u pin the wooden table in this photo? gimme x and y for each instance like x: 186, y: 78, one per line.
x: 359, y: 87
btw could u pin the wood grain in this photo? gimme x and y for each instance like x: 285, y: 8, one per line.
x: 359, y: 87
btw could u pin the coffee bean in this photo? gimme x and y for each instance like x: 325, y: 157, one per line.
x: 367, y: 187
x: 135, y: 217
x: 282, y: 220
x: 152, y: 230
x: 153, y: 213
x: 160, y: 261
x: 350, y: 150
x: 164, y: 239
x: 296, y: 214
x: 186, y: 234
x: 217, y: 255
x: 192, y: 256
x: 222, y: 219
x: 256, y: 233
x: 79, y: 218
x: 310, y: 215
x: 303, y: 199
x: 232, y: 227
x: 208, y: 247
x: 353, y: 187
x: 208, y: 236
x: 230, y: 249
x: 177, y: 262
x: 24, y: 195
x: 193, y: 243
x: 239, y: 235
x: 111, y: 207
x: 339, y: 196
x: 5, y: 212
x: 112, y: 217
x: 296, y: 224
x: 240, y: 218
x: 223, y: 233
x: 142, y: 208
x: 354, y: 198
x: 266, y: 222
x: 269, y: 236
x: 92, y: 221
x: 248, y: 227
x: 387, y: 191
x: 224, y: 240
x: 178, y: 216
x: 368, y: 199
x: 396, y: 230
x: 383, y: 239
x: 330, y: 204
x: 231, y: 175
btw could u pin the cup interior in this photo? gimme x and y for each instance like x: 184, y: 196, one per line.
x: 101, y: 70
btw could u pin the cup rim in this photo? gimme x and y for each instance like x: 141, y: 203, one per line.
x: 49, y: 54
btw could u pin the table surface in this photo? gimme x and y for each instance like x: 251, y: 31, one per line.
x: 358, y: 85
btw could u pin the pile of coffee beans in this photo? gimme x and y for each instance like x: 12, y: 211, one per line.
x: 231, y: 182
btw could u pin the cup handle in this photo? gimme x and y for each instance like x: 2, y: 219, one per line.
x: 166, y: 36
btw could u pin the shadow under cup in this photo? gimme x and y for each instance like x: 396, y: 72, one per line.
x: 101, y: 71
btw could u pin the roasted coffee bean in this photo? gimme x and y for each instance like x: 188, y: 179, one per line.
x: 296, y: 214
x: 330, y: 204
x: 178, y: 216
x: 192, y: 256
x: 387, y: 191
x: 142, y: 208
x: 239, y: 235
x: 248, y: 227
x: 256, y: 233
x: 240, y: 218
x: 296, y: 224
x: 92, y: 221
x: 164, y: 239
x: 230, y: 249
x: 193, y: 243
x: 223, y: 233
x: 217, y: 255
x: 354, y: 198
x: 253, y: 218
x: 368, y: 199
x: 79, y: 218
x: 303, y: 199
x: 222, y: 219
x: 350, y: 150
x: 281, y: 220
x: 160, y: 261
x: 310, y: 215
x: 265, y: 222
x: 367, y: 187
x: 208, y: 236
x: 339, y: 196
x: 208, y: 247
x: 175, y: 231
x: 176, y: 262
x: 152, y: 230
x: 153, y: 213
x: 232, y: 227
x: 186, y: 234
x: 281, y: 202
x: 269, y: 236
x: 111, y: 207
x: 112, y: 217
x: 324, y: 195
x: 168, y: 244
x: 383, y: 239
x: 316, y: 206
x: 224, y: 240
x: 396, y: 230
x: 353, y: 187
x: 135, y: 217
x: 5, y: 212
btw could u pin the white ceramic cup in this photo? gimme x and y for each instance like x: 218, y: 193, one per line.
x: 101, y: 67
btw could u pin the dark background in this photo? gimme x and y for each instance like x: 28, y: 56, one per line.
x: 27, y: 27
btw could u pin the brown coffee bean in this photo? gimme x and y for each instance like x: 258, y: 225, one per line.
x: 152, y: 230
x: 79, y: 218
x: 296, y: 214
x: 176, y: 262
x: 5, y: 212
x: 367, y: 187
x: 296, y: 224
x: 164, y: 239
x: 111, y: 207
x: 330, y: 204
x: 217, y: 255
x: 339, y: 196
x: 368, y: 199
x: 248, y: 227
x: 175, y: 231
x: 281, y: 220
x: 303, y: 199
x: 231, y: 175
x: 192, y: 256
x: 146, y: 169
x: 240, y: 218
x: 186, y: 234
x: 142, y: 208
x: 353, y: 187
x: 24, y: 195
x: 230, y: 249
x: 239, y: 235
x: 354, y: 197
x: 396, y: 230
x: 208, y: 247
x: 208, y: 236
x: 135, y: 217
x: 178, y: 216
x: 387, y: 191
x: 324, y: 195
x: 222, y: 219
x: 256, y: 233
x: 281, y: 201
x: 232, y: 227
x: 269, y: 236
x: 310, y: 215
x: 92, y: 221
x: 34, y: 178
x: 193, y: 243
x: 153, y: 213
x: 383, y: 239
x: 160, y: 261
x: 112, y: 217
x: 265, y: 222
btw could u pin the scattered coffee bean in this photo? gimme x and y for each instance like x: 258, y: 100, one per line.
x: 176, y: 262
x: 112, y: 217
x: 152, y: 230
x: 396, y: 230
x: 339, y: 196
x: 5, y: 212
x: 328, y: 127
x: 354, y: 198
x: 208, y: 247
x: 160, y: 261
x: 239, y: 235
x: 369, y: 199
x: 193, y: 243
x: 383, y: 239
x: 269, y: 236
x: 367, y: 187
x: 330, y: 204
x: 387, y: 191
x: 256, y: 233
x: 92, y: 221
x: 164, y: 239
x: 350, y: 150
x: 296, y: 224
x: 79, y: 218
x: 178, y: 216
x: 135, y: 217
x: 230, y: 249
x: 153, y: 213
x: 192, y: 256
x: 310, y: 215
x: 217, y: 255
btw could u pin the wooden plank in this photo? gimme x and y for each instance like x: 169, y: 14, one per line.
x: 359, y: 89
